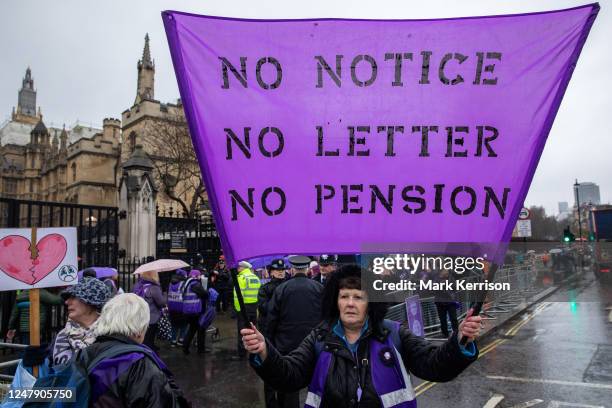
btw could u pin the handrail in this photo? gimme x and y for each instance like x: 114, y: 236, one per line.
x: 17, y: 346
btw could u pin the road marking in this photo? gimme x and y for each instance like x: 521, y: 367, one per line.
x: 422, y: 390
x: 558, y: 404
x: 556, y: 382
x: 494, y: 401
x: 514, y: 329
x: 528, y: 404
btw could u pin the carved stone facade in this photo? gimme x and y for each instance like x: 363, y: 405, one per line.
x: 40, y: 163
x: 86, y: 165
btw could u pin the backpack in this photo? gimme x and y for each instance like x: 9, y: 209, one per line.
x: 75, y: 376
x: 393, y: 328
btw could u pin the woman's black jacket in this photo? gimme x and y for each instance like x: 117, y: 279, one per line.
x: 294, y: 371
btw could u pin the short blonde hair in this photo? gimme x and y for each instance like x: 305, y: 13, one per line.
x: 152, y: 276
x: 127, y: 314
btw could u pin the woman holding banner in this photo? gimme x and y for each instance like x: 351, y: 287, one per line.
x: 355, y: 357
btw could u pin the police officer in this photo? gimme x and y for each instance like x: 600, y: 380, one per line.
x: 327, y: 264
x: 249, y: 287
x: 277, y: 271
x: 295, y: 309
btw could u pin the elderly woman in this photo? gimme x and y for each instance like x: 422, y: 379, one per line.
x: 148, y: 288
x: 355, y: 357
x: 134, y: 376
x: 84, y: 301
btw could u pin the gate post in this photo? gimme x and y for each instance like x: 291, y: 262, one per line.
x: 137, y: 192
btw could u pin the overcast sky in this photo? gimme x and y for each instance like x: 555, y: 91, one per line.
x: 83, y: 56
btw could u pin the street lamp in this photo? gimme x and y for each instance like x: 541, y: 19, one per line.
x: 576, y: 185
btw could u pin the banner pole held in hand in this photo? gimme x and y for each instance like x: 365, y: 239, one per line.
x: 477, y: 305
x: 242, y: 311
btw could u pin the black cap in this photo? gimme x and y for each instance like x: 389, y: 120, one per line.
x: 299, y: 261
x: 327, y: 259
x: 278, y: 264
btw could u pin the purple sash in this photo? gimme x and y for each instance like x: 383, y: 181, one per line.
x: 390, y: 378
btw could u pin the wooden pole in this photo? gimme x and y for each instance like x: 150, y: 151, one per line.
x: 34, y: 305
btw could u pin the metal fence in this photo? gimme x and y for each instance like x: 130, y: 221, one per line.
x: 523, y: 284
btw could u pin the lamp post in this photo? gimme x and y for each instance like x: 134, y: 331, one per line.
x: 576, y: 185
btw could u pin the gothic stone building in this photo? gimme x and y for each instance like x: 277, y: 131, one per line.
x: 85, y: 165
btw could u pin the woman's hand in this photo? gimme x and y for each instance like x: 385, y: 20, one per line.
x: 470, y: 327
x: 10, y: 335
x: 254, y: 342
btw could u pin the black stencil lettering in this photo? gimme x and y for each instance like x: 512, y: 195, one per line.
x: 242, y: 76
x: 245, y: 146
x: 491, y: 197
x: 373, y: 70
x: 485, y: 140
x: 472, y: 195
x: 398, y: 65
x: 279, y: 138
x: 237, y: 199
x: 320, y: 196
x: 323, y: 65
x: 279, y: 72
x: 264, y: 201
x: 411, y: 199
x: 377, y: 195
x: 346, y: 199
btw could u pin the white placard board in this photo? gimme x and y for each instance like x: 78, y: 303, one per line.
x: 52, y: 261
x: 523, y: 228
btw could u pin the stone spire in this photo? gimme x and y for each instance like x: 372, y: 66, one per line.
x: 63, y: 139
x: 146, y: 75
x: 55, y: 143
x: 146, y: 54
x: 26, y: 102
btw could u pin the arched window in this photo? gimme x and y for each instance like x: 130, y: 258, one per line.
x: 73, y: 167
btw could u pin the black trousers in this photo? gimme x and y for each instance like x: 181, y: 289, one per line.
x: 193, y: 329
x: 251, y: 311
x: 276, y: 399
x: 449, y: 308
x: 150, y: 335
x: 224, y: 299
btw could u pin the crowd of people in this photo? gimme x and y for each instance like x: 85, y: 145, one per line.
x: 305, y: 323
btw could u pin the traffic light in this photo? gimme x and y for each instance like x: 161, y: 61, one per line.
x: 568, y: 236
x: 591, y: 237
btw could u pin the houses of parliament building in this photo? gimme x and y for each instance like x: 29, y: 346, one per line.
x: 82, y: 164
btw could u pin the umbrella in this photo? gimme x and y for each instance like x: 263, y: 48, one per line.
x: 161, y: 265
x: 101, y: 272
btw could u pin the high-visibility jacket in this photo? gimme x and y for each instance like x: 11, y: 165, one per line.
x: 249, y: 286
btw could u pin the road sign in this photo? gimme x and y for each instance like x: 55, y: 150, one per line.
x: 523, y: 228
x: 524, y: 214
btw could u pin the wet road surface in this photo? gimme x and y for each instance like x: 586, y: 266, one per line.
x: 558, y: 353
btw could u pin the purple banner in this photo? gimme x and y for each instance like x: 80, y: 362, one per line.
x: 319, y: 136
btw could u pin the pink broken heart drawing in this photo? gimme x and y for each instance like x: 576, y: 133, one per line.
x: 16, y: 257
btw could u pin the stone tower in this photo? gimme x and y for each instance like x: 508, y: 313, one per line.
x: 26, y: 102
x: 146, y: 75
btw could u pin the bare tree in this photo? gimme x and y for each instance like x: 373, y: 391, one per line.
x: 176, y: 165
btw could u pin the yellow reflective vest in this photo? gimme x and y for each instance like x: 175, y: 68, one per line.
x: 249, y: 286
